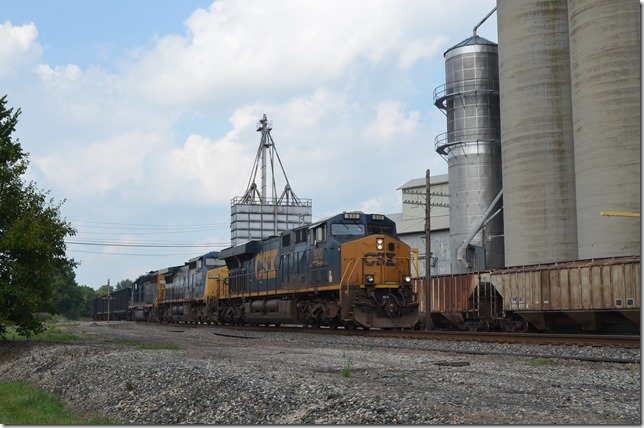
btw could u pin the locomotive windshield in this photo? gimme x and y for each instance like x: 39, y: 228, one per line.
x: 378, y: 229
x: 347, y: 229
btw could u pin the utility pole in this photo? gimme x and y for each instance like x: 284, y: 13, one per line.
x: 428, y: 250
x: 109, y: 298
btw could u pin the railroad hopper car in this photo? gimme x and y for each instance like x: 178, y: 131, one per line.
x: 111, y: 307
x: 350, y: 270
x: 594, y: 295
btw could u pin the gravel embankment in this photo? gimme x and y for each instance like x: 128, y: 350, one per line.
x: 294, y: 378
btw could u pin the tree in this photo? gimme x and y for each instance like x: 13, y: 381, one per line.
x: 32, y: 236
x: 125, y: 283
x: 68, y: 298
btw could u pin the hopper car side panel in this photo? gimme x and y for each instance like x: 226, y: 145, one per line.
x: 592, y: 294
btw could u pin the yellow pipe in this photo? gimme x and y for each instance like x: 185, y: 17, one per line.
x: 619, y: 214
x: 415, y: 261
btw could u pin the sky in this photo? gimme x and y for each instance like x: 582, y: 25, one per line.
x: 140, y: 116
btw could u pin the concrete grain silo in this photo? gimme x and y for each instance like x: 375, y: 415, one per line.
x: 536, y: 132
x: 605, y: 58
x: 471, y: 146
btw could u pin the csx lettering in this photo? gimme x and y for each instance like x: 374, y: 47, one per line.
x: 376, y: 259
x: 264, y: 266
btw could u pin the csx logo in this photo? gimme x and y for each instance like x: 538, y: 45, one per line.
x: 265, y: 264
x: 376, y: 259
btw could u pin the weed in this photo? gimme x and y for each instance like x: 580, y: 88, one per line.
x: 541, y: 362
x: 346, y: 370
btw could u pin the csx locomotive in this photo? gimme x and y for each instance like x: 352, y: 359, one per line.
x: 349, y: 270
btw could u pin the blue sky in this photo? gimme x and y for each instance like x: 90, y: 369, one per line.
x: 141, y: 114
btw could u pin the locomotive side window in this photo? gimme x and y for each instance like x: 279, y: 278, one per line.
x: 300, y: 236
x: 347, y: 229
x: 286, y: 240
x: 318, y: 234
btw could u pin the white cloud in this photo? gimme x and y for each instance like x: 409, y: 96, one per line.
x: 18, y: 47
x: 392, y: 121
x: 101, y: 166
x: 244, y: 48
x: 68, y: 72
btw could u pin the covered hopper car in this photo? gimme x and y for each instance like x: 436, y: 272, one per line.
x: 592, y: 295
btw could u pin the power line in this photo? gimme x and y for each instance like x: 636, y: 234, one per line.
x: 144, y: 245
x: 131, y: 254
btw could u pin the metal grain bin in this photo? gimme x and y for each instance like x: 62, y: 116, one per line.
x: 605, y: 60
x: 471, y: 146
x: 536, y: 132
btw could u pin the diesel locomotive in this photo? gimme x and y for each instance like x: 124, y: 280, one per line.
x: 350, y: 269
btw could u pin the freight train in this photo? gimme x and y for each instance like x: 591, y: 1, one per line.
x: 351, y: 270
x: 348, y: 270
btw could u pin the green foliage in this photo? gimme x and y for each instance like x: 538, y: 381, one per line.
x: 68, y: 298
x: 21, y: 404
x: 56, y: 334
x: 143, y: 345
x: 346, y: 370
x: 126, y: 283
x: 32, y: 246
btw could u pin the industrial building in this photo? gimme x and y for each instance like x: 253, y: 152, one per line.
x: 258, y: 215
x: 543, y: 137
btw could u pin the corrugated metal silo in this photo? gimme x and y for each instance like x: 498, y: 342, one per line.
x: 536, y: 132
x: 605, y: 57
x: 470, y: 99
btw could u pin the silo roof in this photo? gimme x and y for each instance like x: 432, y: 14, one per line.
x: 471, y: 41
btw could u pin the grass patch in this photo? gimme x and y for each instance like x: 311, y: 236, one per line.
x: 541, y: 362
x: 140, y: 345
x: 59, y: 333
x: 21, y: 404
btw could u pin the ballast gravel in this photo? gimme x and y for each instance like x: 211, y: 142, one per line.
x: 223, y: 376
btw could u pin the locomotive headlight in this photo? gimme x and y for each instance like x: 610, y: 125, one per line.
x: 380, y: 243
x: 369, y: 279
x: 407, y: 280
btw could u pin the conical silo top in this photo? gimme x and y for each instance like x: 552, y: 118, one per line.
x: 471, y: 41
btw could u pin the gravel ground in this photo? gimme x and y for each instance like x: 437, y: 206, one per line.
x: 295, y: 378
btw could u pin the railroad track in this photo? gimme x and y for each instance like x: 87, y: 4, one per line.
x: 594, y: 340
x: 616, y: 341
x: 437, y: 341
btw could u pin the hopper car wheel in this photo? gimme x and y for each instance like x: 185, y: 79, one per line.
x: 350, y: 325
x: 523, y: 327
